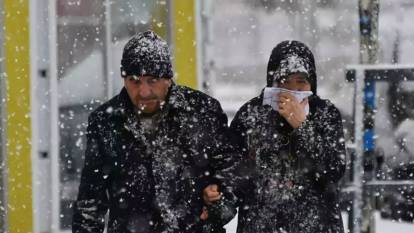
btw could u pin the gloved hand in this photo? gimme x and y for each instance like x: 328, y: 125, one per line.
x: 223, y: 211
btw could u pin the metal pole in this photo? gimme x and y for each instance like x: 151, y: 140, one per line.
x: 358, y: 162
x: 109, y: 73
x: 3, y: 205
x: 206, y: 46
x: 368, y: 22
x: 397, y: 41
x: 364, y: 136
x: 198, y: 11
x: 34, y: 67
x: 54, y: 117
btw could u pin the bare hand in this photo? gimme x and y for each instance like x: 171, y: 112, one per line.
x: 291, y: 109
x: 204, y: 214
x: 211, y: 194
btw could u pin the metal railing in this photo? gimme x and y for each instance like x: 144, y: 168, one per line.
x: 364, y: 186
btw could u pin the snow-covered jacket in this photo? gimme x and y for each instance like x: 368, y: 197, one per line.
x: 150, y: 184
x: 289, y: 178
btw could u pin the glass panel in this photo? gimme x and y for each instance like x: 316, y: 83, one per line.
x: 242, y: 40
x: 244, y: 37
x: 394, y: 157
x: 82, y: 86
x: 128, y: 18
x: 82, y: 77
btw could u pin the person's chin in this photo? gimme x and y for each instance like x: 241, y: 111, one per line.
x: 149, y: 108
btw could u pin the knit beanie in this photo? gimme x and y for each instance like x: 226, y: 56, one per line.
x: 146, y: 54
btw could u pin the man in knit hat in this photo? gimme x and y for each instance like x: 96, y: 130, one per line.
x: 151, y: 150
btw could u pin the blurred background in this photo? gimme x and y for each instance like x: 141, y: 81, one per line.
x: 60, y: 59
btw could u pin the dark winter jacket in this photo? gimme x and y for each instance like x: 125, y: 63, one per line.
x: 150, y: 183
x: 289, y: 177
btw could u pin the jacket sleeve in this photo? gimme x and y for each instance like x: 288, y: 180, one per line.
x: 223, y: 156
x: 92, y: 202
x: 319, y: 143
x: 241, y: 181
x: 223, y: 160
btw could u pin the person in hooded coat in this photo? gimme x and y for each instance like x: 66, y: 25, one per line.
x: 292, y: 161
x: 152, y: 151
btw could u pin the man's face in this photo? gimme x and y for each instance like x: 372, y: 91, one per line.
x: 147, y: 92
x: 295, y: 82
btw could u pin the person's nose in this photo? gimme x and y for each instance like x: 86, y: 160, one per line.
x: 144, y: 90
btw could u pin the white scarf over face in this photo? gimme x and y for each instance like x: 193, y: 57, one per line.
x: 271, y: 97
x: 290, y: 65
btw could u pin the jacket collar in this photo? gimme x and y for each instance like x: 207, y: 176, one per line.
x: 175, y: 100
x: 125, y: 108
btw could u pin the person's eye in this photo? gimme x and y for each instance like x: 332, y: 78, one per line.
x: 134, y: 81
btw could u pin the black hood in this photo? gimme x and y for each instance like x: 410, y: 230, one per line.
x: 290, y: 57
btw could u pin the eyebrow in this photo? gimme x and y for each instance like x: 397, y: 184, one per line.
x: 302, y: 78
